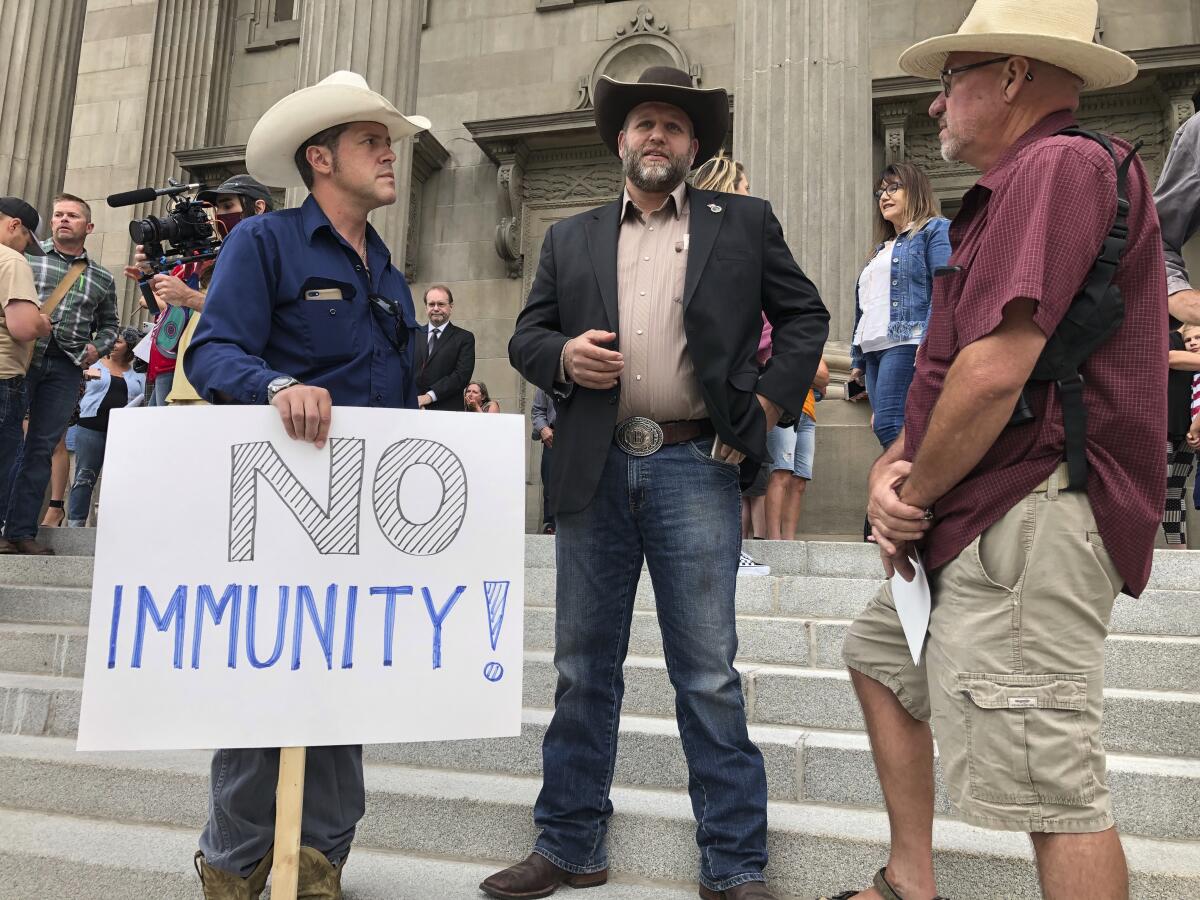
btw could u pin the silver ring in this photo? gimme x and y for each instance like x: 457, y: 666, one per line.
x: 639, y: 436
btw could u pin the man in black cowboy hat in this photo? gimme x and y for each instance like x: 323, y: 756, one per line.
x: 643, y: 323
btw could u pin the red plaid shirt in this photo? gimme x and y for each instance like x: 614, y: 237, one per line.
x: 1031, y: 228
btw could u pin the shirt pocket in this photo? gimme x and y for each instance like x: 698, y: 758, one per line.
x: 329, y: 312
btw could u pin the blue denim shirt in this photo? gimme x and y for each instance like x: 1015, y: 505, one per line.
x: 258, y: 323
x: 914, y: 259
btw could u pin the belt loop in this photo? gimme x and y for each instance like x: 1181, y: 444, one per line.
x: 1052, y: 486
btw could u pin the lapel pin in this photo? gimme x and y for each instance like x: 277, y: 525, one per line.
x: 712, y: 207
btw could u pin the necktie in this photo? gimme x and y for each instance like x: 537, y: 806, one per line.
x: 433, y: 339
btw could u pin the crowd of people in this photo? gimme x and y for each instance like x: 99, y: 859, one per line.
x: 1013, y: 360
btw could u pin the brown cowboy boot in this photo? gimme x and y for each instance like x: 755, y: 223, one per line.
x: 319, y: 878
x: 751, y: 890
x: 218, y: 884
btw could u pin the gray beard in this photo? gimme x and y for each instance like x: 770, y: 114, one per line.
x: 656, y: 180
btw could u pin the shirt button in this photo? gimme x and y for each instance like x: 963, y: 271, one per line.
x: 895, y: 303
x: 638, y: 377
x: 895, y: 282
x: 378, y: 397
x: 639, y: 331
x: 643, y: 293
x: 646, y: 258
x: 333, y: 312
x: 651, y: 227
x: 895, y: 259
x: 358, y: 268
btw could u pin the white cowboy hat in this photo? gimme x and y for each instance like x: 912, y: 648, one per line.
x: 1059, y: 32
x: 341, y: 98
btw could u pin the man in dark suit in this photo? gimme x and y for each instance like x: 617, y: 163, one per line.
x: 445, y: 356
x: 643, y: 323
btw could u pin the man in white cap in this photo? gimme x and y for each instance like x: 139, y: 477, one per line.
x: 1026, y: 552
x: 305, y: 312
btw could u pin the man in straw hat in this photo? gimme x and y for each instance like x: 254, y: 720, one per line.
x: 1025, y: 553
x: 643, y: 323
x: 306, y: 312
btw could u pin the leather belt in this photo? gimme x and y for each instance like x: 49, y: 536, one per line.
x: 639, y: 436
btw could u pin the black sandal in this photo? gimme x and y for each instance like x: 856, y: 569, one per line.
x: 881, y: 885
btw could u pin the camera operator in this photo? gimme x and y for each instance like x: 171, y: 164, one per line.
x: 179, y: 294
x: 184, y: 289
x: 305, y: 311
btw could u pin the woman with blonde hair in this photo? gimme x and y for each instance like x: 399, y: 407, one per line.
x: 723, y: 174
x: 895, y: 291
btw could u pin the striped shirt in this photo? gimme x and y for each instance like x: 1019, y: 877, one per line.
x: 87, y: 314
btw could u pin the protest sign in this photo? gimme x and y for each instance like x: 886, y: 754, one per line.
x: 254, y: 591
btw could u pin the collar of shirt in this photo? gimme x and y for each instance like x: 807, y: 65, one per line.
x: 676, y: 200
x: 314, y: 220
x: 438, y: 328
x: 1003, y: 168
x: 48, y: 246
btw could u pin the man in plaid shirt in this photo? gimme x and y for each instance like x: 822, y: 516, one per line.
x: 84, y: 328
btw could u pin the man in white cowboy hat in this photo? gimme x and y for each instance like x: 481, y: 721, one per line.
x: 305, y: 312
x: 1026, y: 553
x: 643, y: 323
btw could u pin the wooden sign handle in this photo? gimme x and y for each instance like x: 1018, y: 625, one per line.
x: 289, y: 807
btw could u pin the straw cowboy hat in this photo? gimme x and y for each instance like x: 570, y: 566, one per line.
x: 708, y: 109
x: 341, y: 98
x: 1059, y: 32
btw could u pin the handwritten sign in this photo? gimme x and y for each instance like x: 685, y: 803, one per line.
x: 253, y: 591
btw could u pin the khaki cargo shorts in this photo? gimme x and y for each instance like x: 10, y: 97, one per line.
x: 1012, y: 677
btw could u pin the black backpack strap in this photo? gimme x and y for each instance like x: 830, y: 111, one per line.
x: 1096, y: 312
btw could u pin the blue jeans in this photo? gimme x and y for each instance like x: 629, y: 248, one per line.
x: 12, y: 414
x: 89, y: 460
x: 680, y: 510
x: 241, y: 805
x: 889, y: 374
x: 52, y: 390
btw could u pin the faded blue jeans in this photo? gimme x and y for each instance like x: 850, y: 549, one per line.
x: 52, y: 390
x: 889, y: 374
x: 681, y: 511
x: 89, y: 461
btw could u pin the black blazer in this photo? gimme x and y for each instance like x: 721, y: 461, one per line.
x: 448, y: 372
x: 738, y: 267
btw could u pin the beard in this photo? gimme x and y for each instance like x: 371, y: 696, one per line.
x: 655, y: 178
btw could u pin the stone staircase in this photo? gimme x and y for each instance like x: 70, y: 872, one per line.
x: 441, y: 816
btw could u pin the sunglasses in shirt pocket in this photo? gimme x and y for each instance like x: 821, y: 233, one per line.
x: 941, y: 337
x: 330, y: 319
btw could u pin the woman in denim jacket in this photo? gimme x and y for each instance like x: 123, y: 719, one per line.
x: 894, y: 292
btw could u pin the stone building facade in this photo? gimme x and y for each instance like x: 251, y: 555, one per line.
x: 116, y: 94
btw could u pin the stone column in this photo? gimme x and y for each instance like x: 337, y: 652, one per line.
x: 802, y: 126
x: 380, y: 40
x: 184, y: 105
x: 186, y: 97
x: 39, y: 46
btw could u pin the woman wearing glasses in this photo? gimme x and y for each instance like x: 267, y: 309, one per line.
x: 894, y: 292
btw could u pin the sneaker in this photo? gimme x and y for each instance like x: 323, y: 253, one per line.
x: 747, y: 565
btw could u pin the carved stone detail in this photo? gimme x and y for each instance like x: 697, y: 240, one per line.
x: 1178, y: 88
x: 643, y: 42
x: 574, y: 183
x: 893, y: 121
x: 510, y: 181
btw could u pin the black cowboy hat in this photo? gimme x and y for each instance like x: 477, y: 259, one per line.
x: 708, y: 109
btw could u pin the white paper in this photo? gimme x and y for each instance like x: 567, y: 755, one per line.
x: 399, y: 500
x: 142, y: 349
x: 912, y: 605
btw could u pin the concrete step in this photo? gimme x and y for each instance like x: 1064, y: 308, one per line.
x: 69, y: 541
x: 1164, y: 663
x: 85, y: 859
x: 1154, y: 723
x: 45, y: 605
x: 43, y: 649
x: 1153, y: 796
x: 813, y: 847
x: 1141, y: 722
x: 46, y: 571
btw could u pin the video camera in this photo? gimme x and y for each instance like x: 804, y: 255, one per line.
x: 186, y: 234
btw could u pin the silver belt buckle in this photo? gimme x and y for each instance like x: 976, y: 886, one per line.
x: 639, y: 436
